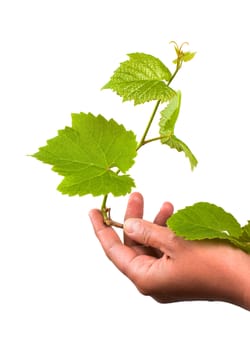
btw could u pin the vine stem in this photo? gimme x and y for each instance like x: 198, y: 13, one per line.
x: 106, y: 211
x: 103, y: 206
x: 141, y: 143
x: 106, y: 214
x: 154, y: 139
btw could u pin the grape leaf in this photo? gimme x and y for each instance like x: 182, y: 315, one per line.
x: 167, y: 122
x: 204, y: 221
x: 180, y: 146
x: 142, y: 78
x: 169, y: 115
x: 90, y: 155
x: 208, y: 221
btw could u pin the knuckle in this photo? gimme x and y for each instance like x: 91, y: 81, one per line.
x: 146, y: 235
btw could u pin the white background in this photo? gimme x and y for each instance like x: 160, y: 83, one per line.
x: 57, y: 289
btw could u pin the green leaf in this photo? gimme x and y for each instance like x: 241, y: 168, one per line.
x: 208, y: 221
x: 186, y: 56
x: 167, y: 123
x: 169, y: 115
x: 204, y: 221
x: 180, y: 146
x: 90, y: 155
x: 142, y: 78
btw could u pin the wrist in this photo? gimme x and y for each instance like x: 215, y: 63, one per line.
x: 238, y: 271
x: 226, y: 273
x: 244, y: 272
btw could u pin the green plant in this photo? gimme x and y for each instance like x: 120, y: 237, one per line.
x: 95, y: 154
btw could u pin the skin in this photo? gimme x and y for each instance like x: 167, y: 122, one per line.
x: 169, y: 268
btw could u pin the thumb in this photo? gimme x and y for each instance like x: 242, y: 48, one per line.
x: 149, y: 234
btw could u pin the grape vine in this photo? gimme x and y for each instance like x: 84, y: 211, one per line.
x: 95, y: 154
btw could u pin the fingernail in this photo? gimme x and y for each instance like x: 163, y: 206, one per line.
x: 133, y: 226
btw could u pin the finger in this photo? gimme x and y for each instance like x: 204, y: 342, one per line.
x: 134, y: 206
x: 134, y: 266
x: 116, y: 251
x: 165, y: 212
x: 134, y: 210
x: 150, y: 234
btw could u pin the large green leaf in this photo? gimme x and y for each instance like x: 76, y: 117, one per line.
x: 204, y: 221
x: 208, y: 221
x: 90, y: 155
x: 142, y: 78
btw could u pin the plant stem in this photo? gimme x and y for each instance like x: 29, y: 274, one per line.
x: 178, y: 66
x: 106, y: 214
x: 141, y: 143
x: 106, y: 211
x: 154, y: 139
x: 104, y: 202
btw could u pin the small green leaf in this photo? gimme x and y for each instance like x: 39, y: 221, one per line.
x: 167, y: 123
x: 169, y: 115
x: 186, y: 56
x: 90, y: 155
x: 180, y: 146
x: 142, y: 78
x: 204, y: 221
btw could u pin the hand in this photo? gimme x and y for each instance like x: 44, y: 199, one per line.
x: 169, y: 268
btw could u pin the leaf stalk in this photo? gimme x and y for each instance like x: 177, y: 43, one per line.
x: 141, y: 143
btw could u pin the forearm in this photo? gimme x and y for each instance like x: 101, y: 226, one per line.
x: 208, y: 270
x: 241, y: 293
x: 232, y: 267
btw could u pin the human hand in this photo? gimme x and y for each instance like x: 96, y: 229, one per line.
x: 169, y: 268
